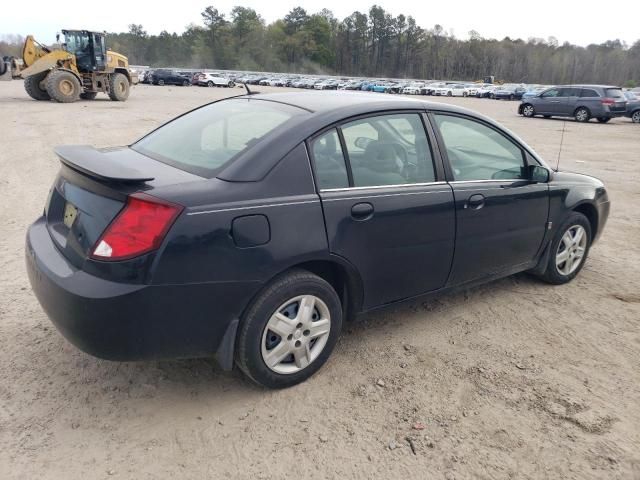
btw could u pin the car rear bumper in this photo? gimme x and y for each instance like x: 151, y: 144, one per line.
x: 118, y: 321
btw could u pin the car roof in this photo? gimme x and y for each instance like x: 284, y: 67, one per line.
x: 588, y: 86
x: 355, y: 103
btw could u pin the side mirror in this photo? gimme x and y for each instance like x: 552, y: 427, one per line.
x: 538, y: 174
x: 362, y: 142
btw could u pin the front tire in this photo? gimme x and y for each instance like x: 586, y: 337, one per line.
x: 32, y: 86
x: 289, y: 330
x: 63, y: 86
x: 635, y: 117
x: 582, y: 115
x: 528, y: 110
x: 569, y: 250
x: 118, y: 87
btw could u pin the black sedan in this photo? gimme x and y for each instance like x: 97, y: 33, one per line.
x: 249, y: 229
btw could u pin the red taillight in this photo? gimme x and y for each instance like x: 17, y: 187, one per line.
x: 139, y: 228
x: 608, y: 101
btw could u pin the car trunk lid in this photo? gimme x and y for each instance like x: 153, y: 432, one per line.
x: 91, y: 189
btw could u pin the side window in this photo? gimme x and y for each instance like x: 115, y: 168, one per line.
x: 587, y: 92
x: 478, y: 152
x: 554, y: 92
x: 329, y: 161
x: 388, y: 150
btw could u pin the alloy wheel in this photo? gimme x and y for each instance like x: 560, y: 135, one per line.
x: 527, y: 111
x: 582, y: 115
x: 571, y: 250
x: 296, y: 334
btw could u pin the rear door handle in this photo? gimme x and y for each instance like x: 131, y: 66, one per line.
x: 362, y: 211
x: 475, y: 202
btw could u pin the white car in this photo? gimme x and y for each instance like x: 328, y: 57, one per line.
x: 214, y: 80
x: 486, y: 91
x: 472, y: 89
x: 414, y: 88
x: 443, y: 90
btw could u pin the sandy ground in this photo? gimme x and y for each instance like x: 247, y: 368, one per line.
x: 515, y: 379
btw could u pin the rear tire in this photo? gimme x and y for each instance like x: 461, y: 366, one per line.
x: 209, y: 83
x: 557, y: 271
x: 230, y: 84
x: 63, y: 86
x: 582, y: 115
x: 185, y: 83
x: 32, y: 86
x: 635, y: 116
x: 256, y: 342
x: 88, y: 95
x: 118, y: 87
x: 603, y: 119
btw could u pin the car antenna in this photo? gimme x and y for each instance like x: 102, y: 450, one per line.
x: 564, y: 124
x: 249, y: 92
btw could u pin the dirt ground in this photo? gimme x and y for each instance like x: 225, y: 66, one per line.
x: 515, y: 379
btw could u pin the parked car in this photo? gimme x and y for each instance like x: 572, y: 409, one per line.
x: 354, y: 85
x: 451, y: 90
x: 509, y: 92
x: 414, y: 88
x: 486, y: 91
x: 164, y: 76
x: 214, y: 80
x: 430, y: 88
x: 583, y: 102
x: 633, y: 106
x: 472, y: 89
x: 147, y: 76
x: 188, y: 242
x: 532, y: 91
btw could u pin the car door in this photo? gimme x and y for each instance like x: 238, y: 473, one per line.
x: 549, y: 103
x: 387, y: 208
x: 501, y: 217
x: 570, y: 96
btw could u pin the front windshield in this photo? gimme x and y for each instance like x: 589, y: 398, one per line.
x: 206, y: 139
x: 76, y: 42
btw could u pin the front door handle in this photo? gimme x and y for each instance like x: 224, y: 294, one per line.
x: 362, y: 211
x: 475, y: 202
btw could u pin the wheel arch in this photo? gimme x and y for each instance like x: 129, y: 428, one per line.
x: 591, y: 212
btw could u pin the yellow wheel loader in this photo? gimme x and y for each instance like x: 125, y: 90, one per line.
x: 82, y: 68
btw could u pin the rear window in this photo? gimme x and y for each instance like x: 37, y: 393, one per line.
x: 614, y: 93
x: 205, y: 140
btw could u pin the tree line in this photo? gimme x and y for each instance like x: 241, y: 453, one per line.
x: 372, y: 44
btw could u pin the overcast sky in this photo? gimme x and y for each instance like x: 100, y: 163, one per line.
x: 573, y: 21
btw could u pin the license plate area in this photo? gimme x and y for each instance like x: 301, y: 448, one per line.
x: 70, y: 214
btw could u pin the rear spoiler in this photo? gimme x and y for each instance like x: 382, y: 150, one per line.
x: 104, y: 165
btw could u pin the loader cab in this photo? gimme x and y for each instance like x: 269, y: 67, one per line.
x: 88, y: 47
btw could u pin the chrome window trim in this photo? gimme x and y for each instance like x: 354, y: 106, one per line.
x: 493, y: 180
x: 347, y: 189
x: 398, y: 194
x: 269, y: 205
